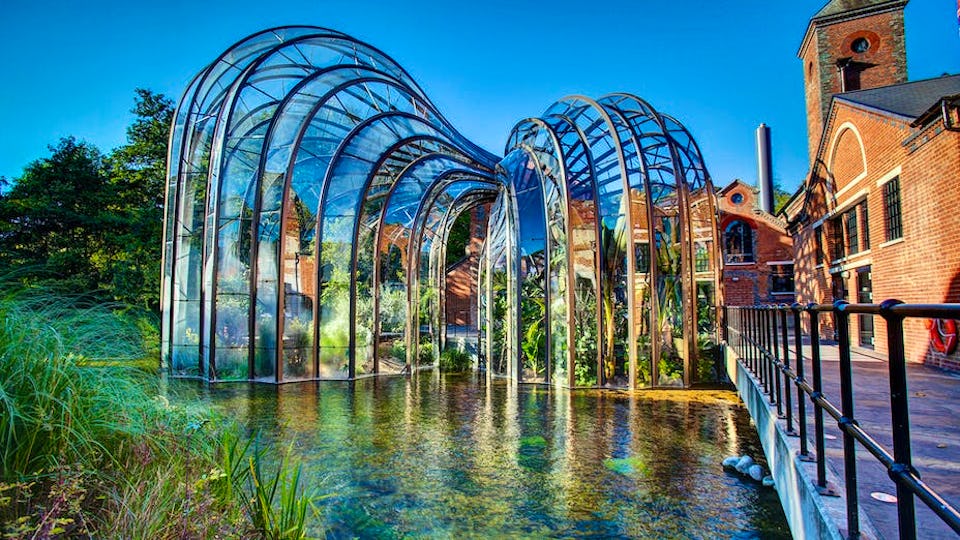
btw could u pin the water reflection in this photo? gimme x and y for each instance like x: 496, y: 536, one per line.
x: 443, y: 455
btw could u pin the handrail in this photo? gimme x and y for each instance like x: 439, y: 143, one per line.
x: 759, y: 334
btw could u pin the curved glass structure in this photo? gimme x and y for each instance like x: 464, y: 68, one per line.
x: 312, y: 186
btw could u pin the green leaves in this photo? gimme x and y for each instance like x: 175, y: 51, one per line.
x: 79, y: 221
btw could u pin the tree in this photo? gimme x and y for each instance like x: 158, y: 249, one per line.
x: 780, y: 196
x: 137, y: 171
x: 79, y: 222
x: 458, y: 238
x: 54, y: 218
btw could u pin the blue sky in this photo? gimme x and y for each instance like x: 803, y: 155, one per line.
x: 70, y: 67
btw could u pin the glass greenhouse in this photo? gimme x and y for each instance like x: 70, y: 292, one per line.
x: 311, y: 191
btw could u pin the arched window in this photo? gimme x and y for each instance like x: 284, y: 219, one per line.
x: 738, y: 243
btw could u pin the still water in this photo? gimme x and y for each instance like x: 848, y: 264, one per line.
x: 446, y: 455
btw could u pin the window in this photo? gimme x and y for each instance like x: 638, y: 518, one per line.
x: 891, y: 209
x: 818, y: 237
x: 781, y: 278
x: 853, y: 241
x: 738, y: 243
x: 837, y: 250
x: 865, y: 225
x: 846, y: 232
x: 737, y: 198
x: 839, y: 287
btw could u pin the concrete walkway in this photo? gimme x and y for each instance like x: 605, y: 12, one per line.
x: 934, y: 427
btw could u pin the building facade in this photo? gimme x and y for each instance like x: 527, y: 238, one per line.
x: 757, y: 250
x: 875, y: 218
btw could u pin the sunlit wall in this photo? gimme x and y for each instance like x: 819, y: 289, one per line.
x: 312, y: 186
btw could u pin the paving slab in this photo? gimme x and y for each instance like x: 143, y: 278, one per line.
x: 934, y: 402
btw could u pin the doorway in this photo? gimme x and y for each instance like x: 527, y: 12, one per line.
x: 865, y: 296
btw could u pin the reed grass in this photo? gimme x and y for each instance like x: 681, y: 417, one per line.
x: 91, y: 447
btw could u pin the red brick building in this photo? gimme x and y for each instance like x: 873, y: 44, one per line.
x: 461, y: 277
x: 876, y: 217
x: 757, y: 251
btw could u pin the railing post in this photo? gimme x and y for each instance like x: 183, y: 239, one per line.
x: 755, y: 352
x: 748, y: 311
x: 742, y: 332
x: 801, y: 398
x: 725, y: 327
x: 765, y: 339
x: 847, y: 419
x: 775, y: 345
x: 900, y: 413
x: 821, y: 454
x: 762, y: 347
x: 788, y: 405
x: 757, y: 346
x: 744, y: 335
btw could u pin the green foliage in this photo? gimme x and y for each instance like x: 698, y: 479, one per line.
x: 585, y: 336
x: 425, y: 353
x: 79, y: 221
x: 709, y: 368
x: 275, y: 501
x: 498, y: 354
x: 613, y: 246
x: 54, y: 220
x: 458, y: 239
x: 585, y: 372
x: 90, y: 447
x: 62, y: 380
x: 533, y: 313
x: 138, y: 174
x: 300, y: 342
x: 393, y: 308
x: 780, y: 197
x: 454, y: 360
x: 398, y: 350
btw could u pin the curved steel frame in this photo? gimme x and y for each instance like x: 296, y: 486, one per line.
x: 301, y: 147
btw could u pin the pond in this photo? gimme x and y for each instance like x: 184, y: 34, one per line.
x: 452, y: 455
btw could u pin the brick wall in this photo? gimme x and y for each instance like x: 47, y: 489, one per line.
x: 747, y: 284
x: 461, y: 279
x: 921, y: 267
x: 884, y: 63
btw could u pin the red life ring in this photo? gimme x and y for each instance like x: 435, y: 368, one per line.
x: 943, y: 335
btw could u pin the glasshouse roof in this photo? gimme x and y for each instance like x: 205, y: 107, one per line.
x: 312, y: 193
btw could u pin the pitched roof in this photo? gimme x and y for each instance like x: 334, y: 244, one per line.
x: 907, y: 100
x: 737, y: 182
x: 836, y: 7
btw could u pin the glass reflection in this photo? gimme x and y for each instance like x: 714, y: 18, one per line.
x: 311, y: 194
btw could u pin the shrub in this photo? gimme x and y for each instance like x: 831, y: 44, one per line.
x: 454, y: 360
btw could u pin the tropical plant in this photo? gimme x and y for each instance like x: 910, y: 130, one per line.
x: 454, y: 360
x: 533, y: 314
x: 585, y: 338
x: 613, y: 247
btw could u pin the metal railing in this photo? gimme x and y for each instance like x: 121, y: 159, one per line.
x: 760, y: 335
